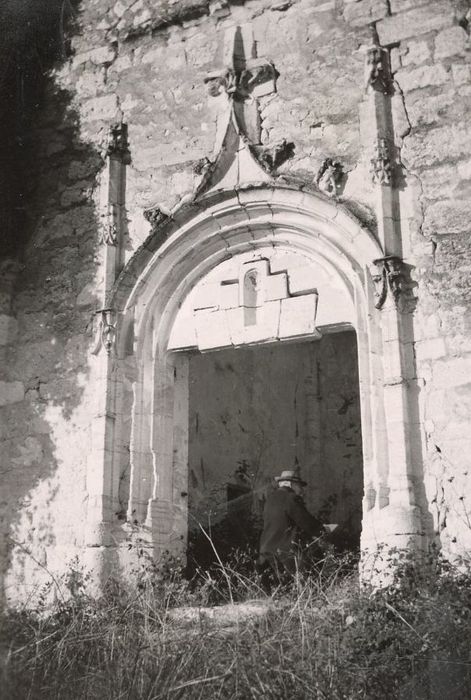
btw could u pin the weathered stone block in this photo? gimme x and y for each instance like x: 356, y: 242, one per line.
x: 419, y: 20
x: 360, y: 13
x: 8, y: 328
x: 450, y: 42
x: 464, y: 170
x: 403, y: 5
x: 422, y: 77
x: 99, y: 56
x: 439, y: 182
x: 75, y: 194
x: 276, y: 287
x: 88, y: 296
x: 30, y: 451
x: 228, y: 296
x: 437, y: 145
x: 461, y: 73
x: 91, y: 83
x: 416, y: 52
x: 430, y: 349
x: 451, y: 372
x: 207, y: 297
x: 265, y: 327
x: 448, y: 216
x: 154, y: 56
x: 298, y: 316
x: 105, y: 107
x: 429, y: 109
x: 11, y: 392
x: 212, y: 329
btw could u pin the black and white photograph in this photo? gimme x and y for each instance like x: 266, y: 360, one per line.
x: 235, y: 350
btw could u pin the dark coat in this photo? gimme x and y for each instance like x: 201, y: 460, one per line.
x: 284, y: 515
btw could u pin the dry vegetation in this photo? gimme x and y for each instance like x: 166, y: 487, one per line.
x: 321, y: 637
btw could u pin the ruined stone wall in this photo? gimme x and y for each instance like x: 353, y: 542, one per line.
x: 144, y: 62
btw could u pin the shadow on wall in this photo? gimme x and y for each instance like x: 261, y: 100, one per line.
x: 52, y: 235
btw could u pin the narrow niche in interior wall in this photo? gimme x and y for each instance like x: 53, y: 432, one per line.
x: 250, y: 294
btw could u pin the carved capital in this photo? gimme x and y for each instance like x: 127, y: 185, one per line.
x: 380, y: 168
x: 155, y: 217
x: 329, y: 177
x: 106, y: 331
x: 118, y: 145
x: 389, y: 279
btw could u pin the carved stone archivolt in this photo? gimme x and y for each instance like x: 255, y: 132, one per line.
x: 389, y: 279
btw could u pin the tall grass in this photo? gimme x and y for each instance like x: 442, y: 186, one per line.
x: 320, y: 637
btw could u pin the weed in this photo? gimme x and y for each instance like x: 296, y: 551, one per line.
x: 320, y: 637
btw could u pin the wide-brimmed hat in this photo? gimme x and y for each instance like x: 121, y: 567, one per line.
x: 290, y: 475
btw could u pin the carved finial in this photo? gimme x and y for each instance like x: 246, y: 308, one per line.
x: 389, y: 279
x: 244, y: 79
x: 329, y: 176
x: 118, y: 146
x: 381, y: 171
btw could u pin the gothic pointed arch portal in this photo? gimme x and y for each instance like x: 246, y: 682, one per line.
x: 182, y: 251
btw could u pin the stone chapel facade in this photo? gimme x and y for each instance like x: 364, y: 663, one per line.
x: 249, y: 251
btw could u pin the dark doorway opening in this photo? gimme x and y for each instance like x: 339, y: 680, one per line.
x: 257, y: 410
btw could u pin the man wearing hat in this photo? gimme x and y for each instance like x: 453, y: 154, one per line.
x: 284, y: 517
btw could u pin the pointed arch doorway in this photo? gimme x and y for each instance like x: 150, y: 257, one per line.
x: 264, y: 301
